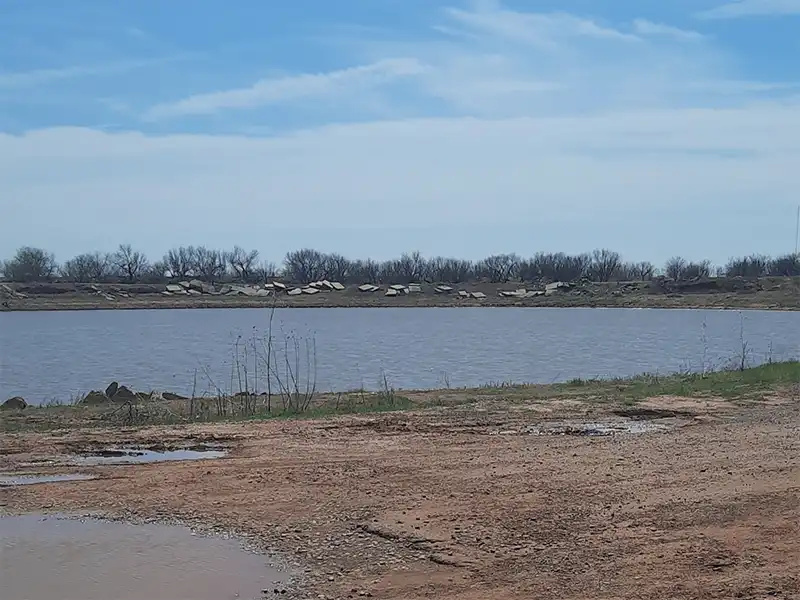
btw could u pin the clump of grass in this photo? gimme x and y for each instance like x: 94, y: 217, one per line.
x: 729, y: 383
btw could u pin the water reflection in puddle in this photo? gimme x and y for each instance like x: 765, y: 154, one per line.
x: 118, y: 456
x: 50, y: 557
x: 12, y: 479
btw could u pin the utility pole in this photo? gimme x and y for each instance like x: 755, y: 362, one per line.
x: 797, y: 231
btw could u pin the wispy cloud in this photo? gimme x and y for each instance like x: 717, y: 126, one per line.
x: 645, y: 28
x: 545, y: 30
x: 285, y: 89
x: 38, y: 77
x: 752, y: 8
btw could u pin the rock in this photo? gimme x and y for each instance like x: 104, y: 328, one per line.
x: 555, y: 287
x: 171, y: 396
x: 196, y: 284
x: 112, y: 389
x: 310, y: 290
x: 478, y: 295
x: 263, y: 293
x: 124, y: 394
x: 398, y: 286
x: 94, y: 397
x: 279, y: 285
x: 414, y: 288
x: 391, y: 292
x: 463, y: 294
x: 337, y: 286
x: 184, y: 284
x: 15, y: 403
x: 174, y: 289
x: 368, y: 288
x: 194, y: 292
x: 442, y: 289
x: 295, y: 292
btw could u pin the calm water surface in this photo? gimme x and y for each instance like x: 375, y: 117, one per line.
x: 56, y: 355
x: 52, y: 558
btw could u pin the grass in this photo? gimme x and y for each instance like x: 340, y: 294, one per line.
x: 729, y: 384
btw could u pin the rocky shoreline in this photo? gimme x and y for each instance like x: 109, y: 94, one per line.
x: 778, y: 293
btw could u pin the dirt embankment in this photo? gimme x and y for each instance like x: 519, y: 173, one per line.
x: 766, y: 293
x: 488, y: 500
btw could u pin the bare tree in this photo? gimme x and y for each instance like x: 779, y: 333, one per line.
x: 305, y: 266
x: 337, y: 267
x: 365, y: 271
x: 130, y: 264
x: 180, y: 262
x: 641, y: 271
x: 265, y: 271
x: 406, y: 269
x: 91, y: 267
x: 756, y: 265
x: 605, y: 265
x: 675, y: 267
x: 680, y: 269
x: 785, y: 266
x: 449, y: 270
x: 499, y: 268
x: 209, y: 265
x: 30, y: 264
x: 242, y: 262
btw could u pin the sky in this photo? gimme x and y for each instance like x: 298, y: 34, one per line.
x: 374, y: 127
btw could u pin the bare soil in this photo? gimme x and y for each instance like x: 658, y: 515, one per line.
x: 467, y: 503
x: 781, y: 293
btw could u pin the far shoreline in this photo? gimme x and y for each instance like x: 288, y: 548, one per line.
x: 777, y: 294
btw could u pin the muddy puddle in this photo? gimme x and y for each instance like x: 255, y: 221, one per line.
x: 71, y: 559
x: 14, y: 479
x: 592, y: 428
x: 119, y: 456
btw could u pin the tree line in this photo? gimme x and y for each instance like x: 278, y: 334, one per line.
x: 129, y: 265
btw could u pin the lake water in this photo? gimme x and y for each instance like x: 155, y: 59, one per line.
x: 49, y: 557
x: 57, y: 355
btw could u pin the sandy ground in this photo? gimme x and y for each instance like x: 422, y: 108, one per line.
x: 472, y: 504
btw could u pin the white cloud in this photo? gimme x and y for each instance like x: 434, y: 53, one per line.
x: 291, y: 88
x: 544, y: 30
x: 42, y: 76
x: 644, y: 28
x: 752, y: 8
x: 331, y: 186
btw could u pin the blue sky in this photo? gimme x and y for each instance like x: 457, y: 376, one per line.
x: 372, y: 127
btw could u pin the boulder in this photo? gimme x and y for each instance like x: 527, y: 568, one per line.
x: 171, y: 396
x: 295, y: 292
x: 124, y: 394
x: 196, y: 284
x: 94, y: 397
x: 112, y: 389
x: 15, y: 403
x: 337, y: 286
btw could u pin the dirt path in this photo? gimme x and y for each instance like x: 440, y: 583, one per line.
x: 473, y: 504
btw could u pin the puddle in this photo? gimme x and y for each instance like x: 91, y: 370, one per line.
x: 120, y: 456
x: 12, y: 479
x: 591, y: 429
x: 52, y: 557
